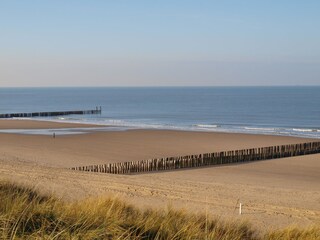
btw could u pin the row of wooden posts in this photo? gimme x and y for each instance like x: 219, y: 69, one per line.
x: 206, y: 159
x: 98, y: 110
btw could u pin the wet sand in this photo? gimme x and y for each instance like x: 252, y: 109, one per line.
x: 31, y: 124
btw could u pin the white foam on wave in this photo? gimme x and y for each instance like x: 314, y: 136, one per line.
x: 114, y: 121
x: 21, y: 118
x: 305, y: 130
x: 207, y: 125
x: 260, y: 129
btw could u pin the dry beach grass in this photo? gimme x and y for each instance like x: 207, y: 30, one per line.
x: 26, y: 214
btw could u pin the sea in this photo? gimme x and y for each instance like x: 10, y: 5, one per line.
x: 287, y: 111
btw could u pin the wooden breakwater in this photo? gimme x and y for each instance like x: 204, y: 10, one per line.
x: 206, y: 159
x: 50, y: 114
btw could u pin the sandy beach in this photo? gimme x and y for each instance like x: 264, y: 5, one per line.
x: 274, y: 193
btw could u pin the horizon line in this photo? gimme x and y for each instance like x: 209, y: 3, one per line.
x: 164, y: 86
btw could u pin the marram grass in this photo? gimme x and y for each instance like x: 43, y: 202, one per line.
x: 24, y: 214
x: 310, y: 233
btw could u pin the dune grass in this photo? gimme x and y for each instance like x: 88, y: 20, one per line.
x: 310, y: 233
x: 24, y: 214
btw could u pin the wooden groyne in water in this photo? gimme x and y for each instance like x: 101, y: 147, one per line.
x: 207, y: 159
x: 51, y: 114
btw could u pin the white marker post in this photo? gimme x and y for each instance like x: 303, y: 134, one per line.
x: 240, y: 209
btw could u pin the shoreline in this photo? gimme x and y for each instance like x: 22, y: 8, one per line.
x: 86, y: 127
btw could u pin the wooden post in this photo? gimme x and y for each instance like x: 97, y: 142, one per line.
x: 191, y: 161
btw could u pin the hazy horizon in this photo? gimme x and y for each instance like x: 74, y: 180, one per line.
x: 159, y: 44
x: 167, y: 86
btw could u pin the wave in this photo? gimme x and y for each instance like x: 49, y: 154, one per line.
x: 305, y: 130
x: 206, y: 125
x: 260, y: 129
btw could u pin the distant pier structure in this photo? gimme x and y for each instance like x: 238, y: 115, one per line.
x: 98, y: 110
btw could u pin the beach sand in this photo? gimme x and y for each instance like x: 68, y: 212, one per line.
x: 274, y: 193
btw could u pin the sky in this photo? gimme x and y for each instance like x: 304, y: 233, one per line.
x: 159, y: 43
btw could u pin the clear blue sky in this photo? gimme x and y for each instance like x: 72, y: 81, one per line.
x: 159, y: 43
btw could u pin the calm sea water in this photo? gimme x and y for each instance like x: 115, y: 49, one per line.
x: 293, y: 111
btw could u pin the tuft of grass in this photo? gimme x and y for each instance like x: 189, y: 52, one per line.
x: 310, y: 233
x: 24, y: 214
